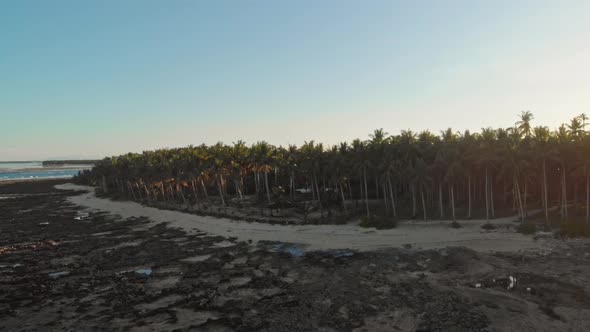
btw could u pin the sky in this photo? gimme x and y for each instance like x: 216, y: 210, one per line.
x: 99, y: 78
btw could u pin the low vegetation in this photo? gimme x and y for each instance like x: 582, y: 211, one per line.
x: 378, y: 222
x: 527, y: 228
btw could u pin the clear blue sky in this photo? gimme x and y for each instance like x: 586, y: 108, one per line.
x: 95, y: 78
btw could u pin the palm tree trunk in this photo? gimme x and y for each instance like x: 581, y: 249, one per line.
x: 519, y: 198
x: 181, y: 192
x: 453, y: 203
x: 440, y: 200
x: 162, y: 190
x: 448, y: 197
x: 362, y: 195
x: 195, y: 192
x: 469, y: 200
x: 138, y: 191
x: 266, y: 185
x: 204, y: 190
x: 366, y: 194
x: 504, y: 196
x: 423, y: 202
x: 514, y: 199
x: 414, y: 208
x: 239, y: 191
x: 220, y: 191
x: 376, y: 188
x: 587, y: 198
x: 171, y: 191
x: 391, y: 194
x: 575, y: 193
x: 319, y: 199
x: 385, y: 201
x: 104, y: 185
x: 545, y: 194
x: 130, y: 186
x: 526, y: 193
x: 292, y: 184
x: 242, y: 186
x: 487, y: 199
x: 343, y: 199
x: 147, y: 192
x: 492, y: 199
x: 564, y: 184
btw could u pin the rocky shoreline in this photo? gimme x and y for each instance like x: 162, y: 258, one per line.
x: 64, y: 268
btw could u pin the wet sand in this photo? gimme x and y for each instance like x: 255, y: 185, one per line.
x: 64, y: 267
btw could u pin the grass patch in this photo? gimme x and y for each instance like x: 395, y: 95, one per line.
x: 378, y: 222
x: 527, y: 228
x: 575, y: 229
x: 488, y: 226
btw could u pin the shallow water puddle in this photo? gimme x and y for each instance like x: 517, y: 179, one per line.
x: 224, y: 244
x: 58, y: 274
x: 196, y: 259
x: 82, y: 215
x: 160, y: 303
x: 146, y: 272
x: 292, y: 249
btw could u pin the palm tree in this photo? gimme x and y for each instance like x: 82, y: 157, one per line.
x: 585, y: 159
x: 422, y: 180
x: 262, y: 156
x: 564, y: 139
x: 468, y: 147
x: 583, y: 117
x: 543, y: 152
x: 576, y: 128
x: 362, y: 163
x: 487, y: 156
x: 390, y: 166
x: 524, y: 124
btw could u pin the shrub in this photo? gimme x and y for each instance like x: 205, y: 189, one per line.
x: 575, y: 229
x: 527, y: 228
x: 455, y: 224
x: 488, y: 227
x: 378, y: 222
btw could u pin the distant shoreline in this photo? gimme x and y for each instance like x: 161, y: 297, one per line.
x: 44, y: 168
x: 69, y: 162
x: 11, y: 181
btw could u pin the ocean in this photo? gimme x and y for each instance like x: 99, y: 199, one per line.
x: 35, y: 170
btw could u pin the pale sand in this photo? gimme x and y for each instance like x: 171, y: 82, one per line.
x: 425, y: 235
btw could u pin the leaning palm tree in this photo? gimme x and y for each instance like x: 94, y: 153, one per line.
x: 362, y: 164
x: 564, y: 151
x: 583, y: 118
x: 544, y: 152
x: 584, y: 158
x: 421, y: 180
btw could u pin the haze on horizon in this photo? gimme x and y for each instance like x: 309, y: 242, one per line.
x: 91, y: 79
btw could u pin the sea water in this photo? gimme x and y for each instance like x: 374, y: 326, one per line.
x: 35, y: 170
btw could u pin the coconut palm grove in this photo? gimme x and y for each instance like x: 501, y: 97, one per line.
x: 522, y: 170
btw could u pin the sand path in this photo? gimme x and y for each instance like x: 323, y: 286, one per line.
x: 425, y: 235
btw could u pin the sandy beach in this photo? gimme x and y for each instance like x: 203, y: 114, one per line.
x: 423, y: 235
